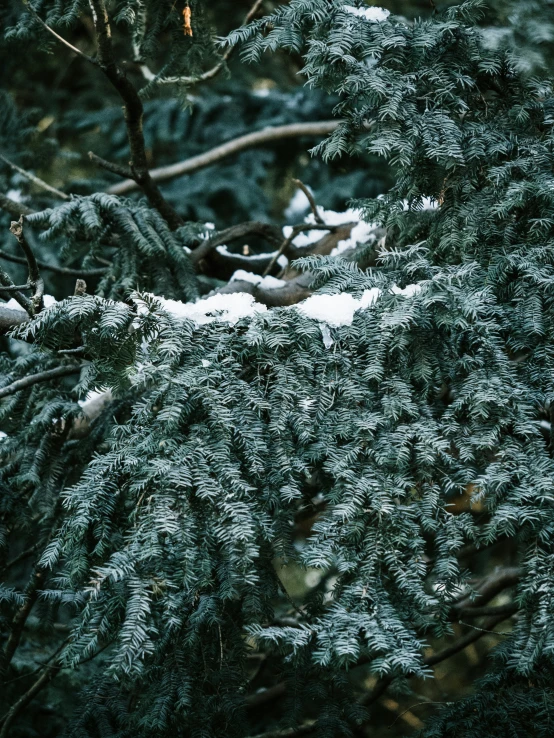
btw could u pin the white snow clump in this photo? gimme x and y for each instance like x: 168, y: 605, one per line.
x: 268, y: 283
x: 373, y: 14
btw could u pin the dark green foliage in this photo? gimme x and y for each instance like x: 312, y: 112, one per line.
x: 164, y: 533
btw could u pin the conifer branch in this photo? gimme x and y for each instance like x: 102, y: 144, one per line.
x: 32, y: 379
x: 19, y: 620
x: 34, y: 179
x: 249, y: 140
x: 134, y: 114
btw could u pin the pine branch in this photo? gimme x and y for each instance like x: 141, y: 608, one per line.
x: 134, y: 113
x: 270, y: 232
x: 32, y: 379
x: 249, y: 140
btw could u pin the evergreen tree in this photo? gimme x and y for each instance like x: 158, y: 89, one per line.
x: 289, y: 475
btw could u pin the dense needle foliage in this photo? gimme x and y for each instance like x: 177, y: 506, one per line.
x: 242, y: 497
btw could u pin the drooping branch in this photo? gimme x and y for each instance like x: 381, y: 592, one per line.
x: 59, y: 38
x: 248, y: 141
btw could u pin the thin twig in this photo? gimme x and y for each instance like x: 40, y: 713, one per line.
x: 31, y: 379
x: 464, y: 642
x: 311, y: 200
x: 62, y: 40
x: 266, y: 230
x: 307, y: 727
x: 110, y: 166
x: 417, y: 704
x: 258, y: 138
x: 34, y: 179
x: 19, y: 619
x: 35, y: 279
x: 23, y: 300
x: 20, y: 557
x: 58, y: 270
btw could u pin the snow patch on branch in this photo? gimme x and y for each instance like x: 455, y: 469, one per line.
x: 267, y: 283
x: 373, y: 14
x: 222, y: 308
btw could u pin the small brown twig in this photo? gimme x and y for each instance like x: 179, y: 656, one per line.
x: 283, y: 248
x: 14, y: 208
x: 35, y: 280
x: 311, y: 200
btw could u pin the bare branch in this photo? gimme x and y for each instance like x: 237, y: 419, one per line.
x: 31, y: 379
x: 23, y: 300
x: 311, y: 200
x: 11, y: 319
x: 270, y: 232
x: 35, y: 279
x: 110, y: 166
x: 34, y: 179
x: 19, y: 619
x: 134, y: 113
x: 14, y: 208
x: 464, y: 642
x: 58, y: 270
x: 307, y: 727
x: 258, y: 138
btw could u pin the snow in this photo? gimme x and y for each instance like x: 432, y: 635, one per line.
x: 373, y: 14
x: 362, y: 232
x: 268, y: 283
x: 14, y: 195
x: 283, y: 261
x: 222, y: 308
x: 338, y: 310
x: 14, y: 305
x: 3, y: 435
x: 224, y: 251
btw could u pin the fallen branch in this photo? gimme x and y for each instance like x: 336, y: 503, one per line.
x: 11, y: 319
x: 258, y: 138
